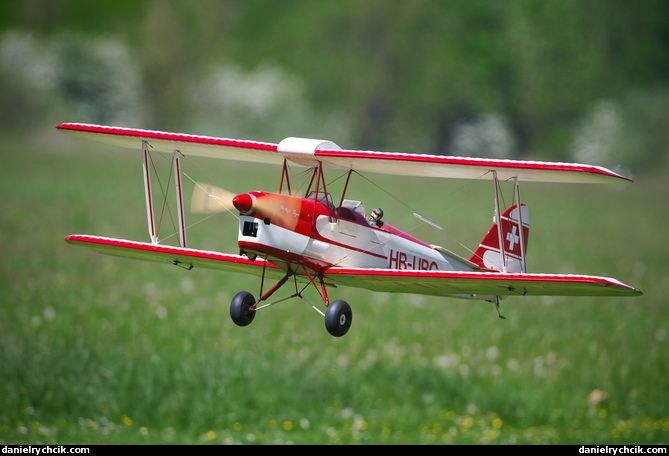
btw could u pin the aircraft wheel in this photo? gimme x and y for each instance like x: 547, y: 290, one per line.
x: 338, y: 318
x: 240, y: 308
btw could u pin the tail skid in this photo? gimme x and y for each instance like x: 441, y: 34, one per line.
x: 508, y: 256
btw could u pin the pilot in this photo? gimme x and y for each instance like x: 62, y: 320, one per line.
x: 375, y: 218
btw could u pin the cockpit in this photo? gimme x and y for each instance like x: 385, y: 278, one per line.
x: 350, y: 210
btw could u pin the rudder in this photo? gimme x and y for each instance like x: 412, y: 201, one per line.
x: 488, y: 255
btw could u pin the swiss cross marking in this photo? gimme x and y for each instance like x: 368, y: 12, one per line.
x: 512, y: 237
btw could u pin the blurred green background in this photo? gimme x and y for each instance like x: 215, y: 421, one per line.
x: 103, y: 350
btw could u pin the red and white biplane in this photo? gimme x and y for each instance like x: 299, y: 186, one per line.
x: 317, y: 240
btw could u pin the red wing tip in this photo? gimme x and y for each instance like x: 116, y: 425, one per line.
x: 163, y: 135
x: 79, y: 126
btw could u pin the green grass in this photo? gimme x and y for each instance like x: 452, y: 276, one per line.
x: 95, y: 349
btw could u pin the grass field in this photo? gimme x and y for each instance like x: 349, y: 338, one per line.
x: 97, y: 350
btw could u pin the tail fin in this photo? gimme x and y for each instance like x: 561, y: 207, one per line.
x: 488, y: 255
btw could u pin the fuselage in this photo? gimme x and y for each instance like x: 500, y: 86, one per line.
x: 292, y: 231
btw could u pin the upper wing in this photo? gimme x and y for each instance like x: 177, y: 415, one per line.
x: 185, y: 258
x: 467, y: 168
x: 310, y: 152
x: 200, y: 146
x: 478, y: 283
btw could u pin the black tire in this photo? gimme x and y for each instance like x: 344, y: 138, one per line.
x: 240, y: 308
x: 338, y: 318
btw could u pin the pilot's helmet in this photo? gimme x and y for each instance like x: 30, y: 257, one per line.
x: 378, y: 211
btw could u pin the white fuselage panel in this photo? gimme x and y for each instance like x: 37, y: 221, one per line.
x: 348, y: 244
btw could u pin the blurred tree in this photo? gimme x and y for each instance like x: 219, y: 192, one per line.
x: 178, y: 43
x: 409, y: 75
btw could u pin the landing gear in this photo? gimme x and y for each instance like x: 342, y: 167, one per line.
x: 242, y: 308
x: 338, y: 318
x: 338, y: 315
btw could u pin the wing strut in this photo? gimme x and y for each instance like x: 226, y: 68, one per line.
x: 180, y: 198
x: 523, y: 264
x: 498, y: 221
x: 147, y: 191
x: 150, y: 214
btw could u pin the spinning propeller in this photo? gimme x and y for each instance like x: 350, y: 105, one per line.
x: 209, y: 199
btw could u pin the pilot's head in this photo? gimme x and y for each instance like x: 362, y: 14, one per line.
x: 377, y: 214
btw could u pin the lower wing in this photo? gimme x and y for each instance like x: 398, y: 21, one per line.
x: 185, y: 258
x: 478, y: 283
x: 436, y: 283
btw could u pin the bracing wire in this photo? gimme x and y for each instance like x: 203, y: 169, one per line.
x: 163, y: 191
x: 437, y: 215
